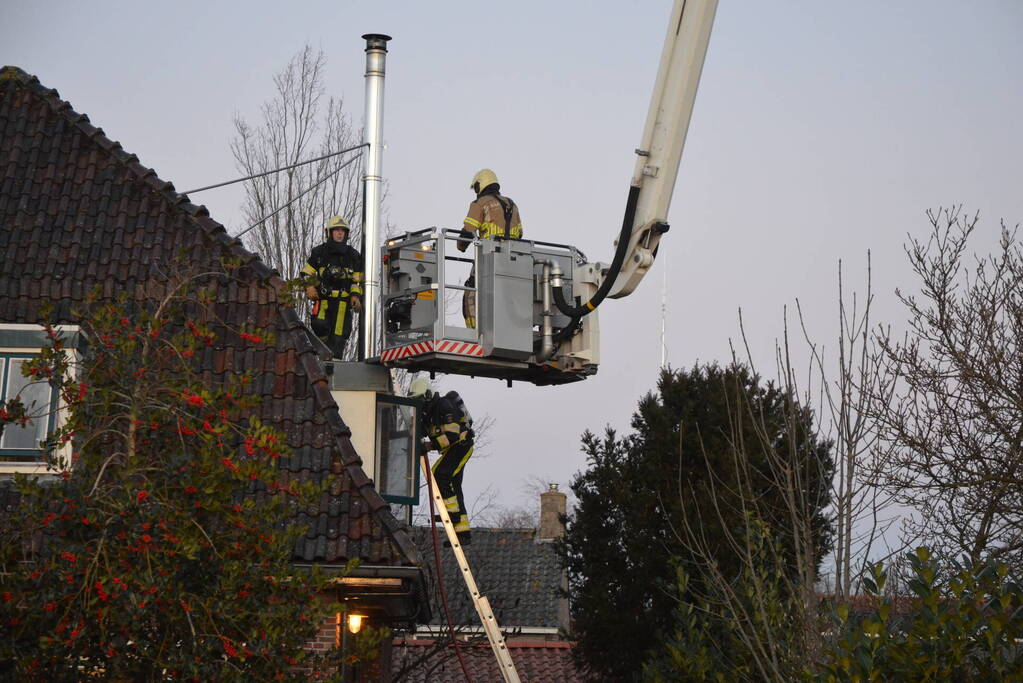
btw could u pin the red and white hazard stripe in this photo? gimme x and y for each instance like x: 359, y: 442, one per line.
x: 442, y: 346
x: 400, y: 352
x: 462, y: 348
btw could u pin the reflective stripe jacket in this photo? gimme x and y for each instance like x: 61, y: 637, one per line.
x: 335, y: 270
x: 447, y: 422
x: 486, y: 216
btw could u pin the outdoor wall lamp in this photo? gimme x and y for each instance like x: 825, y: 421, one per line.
x: 354, y: 622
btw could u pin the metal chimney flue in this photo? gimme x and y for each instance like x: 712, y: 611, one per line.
x: 376, y: 56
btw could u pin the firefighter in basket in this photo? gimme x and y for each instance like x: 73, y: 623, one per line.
x: 491, y: 216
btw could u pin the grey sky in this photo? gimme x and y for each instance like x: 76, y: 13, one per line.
x: 821, y: 130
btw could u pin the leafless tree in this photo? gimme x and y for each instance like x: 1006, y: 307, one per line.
x: 949, y: 404
x: 289, y: 208
x: 523, y: 516
x: 770, y: 606
x: 861, y: 509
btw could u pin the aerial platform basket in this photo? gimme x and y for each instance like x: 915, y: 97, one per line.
x: 519, y: 334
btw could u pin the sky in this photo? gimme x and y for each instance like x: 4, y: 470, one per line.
x: 821, y: 131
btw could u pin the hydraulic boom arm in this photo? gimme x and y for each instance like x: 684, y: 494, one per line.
x: 534, y: 322
x: 664, y: 136
x: 660, y: 151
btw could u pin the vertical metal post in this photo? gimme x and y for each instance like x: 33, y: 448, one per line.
x: 376, y: 54
x: 441, y: 250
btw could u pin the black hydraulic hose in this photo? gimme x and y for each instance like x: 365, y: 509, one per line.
x: 612, y: 273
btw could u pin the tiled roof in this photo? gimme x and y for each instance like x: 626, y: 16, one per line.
x: 535, y: 662
x: 78, y: 212
x: 520, y: 577
x: 865, y: 604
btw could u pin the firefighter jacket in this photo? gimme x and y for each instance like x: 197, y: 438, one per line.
x: 335, y: 269
x: 447, y: 422
x: 494, y: 217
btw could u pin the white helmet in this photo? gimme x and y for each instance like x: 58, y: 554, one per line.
x: 420, y: 387
x: 336, y: 223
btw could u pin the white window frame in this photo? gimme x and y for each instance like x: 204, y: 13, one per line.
x: 62, y: 456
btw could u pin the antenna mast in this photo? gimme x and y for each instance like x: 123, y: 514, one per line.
x: 664, y: 319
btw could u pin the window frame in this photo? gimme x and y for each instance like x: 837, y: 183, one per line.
x: 24, y: 341
x: 23, y: 455
x: 379, y: 465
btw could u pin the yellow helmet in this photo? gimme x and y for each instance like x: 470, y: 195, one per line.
x: 483, y: 179
x: 333, y: 223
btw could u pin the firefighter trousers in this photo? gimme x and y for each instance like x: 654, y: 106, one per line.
x: 331, y: 321
x: 448, y: 471
x: 469, y: 301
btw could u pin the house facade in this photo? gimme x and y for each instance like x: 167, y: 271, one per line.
x: 79, y: 214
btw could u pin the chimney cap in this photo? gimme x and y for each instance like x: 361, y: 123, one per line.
x: 376, y: 41
x: 552, y: 487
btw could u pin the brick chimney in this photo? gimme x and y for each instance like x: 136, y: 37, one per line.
x: 552, y: 508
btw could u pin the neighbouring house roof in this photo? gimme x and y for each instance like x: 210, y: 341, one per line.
x: 865, y: 604
x: 902, y: 609
x: 520, y: 577
x: 536, y: 662
x: 77, y: 212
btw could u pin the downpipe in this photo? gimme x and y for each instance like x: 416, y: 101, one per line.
x: 547, y: 343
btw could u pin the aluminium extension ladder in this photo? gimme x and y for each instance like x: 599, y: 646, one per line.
x: 493, y: 631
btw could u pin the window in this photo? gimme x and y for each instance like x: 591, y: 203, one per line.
x: 397, y: 468
x: 20, y: 443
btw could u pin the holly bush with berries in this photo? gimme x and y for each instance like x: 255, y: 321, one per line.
x: 159, y: 546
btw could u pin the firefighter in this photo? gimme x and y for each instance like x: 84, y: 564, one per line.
x: 333, y: 276
x: 493, y: 216
x: 447, y: 427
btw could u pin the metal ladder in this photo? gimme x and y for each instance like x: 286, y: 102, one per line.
x: 490, y: 626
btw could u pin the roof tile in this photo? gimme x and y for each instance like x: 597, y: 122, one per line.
x: 75, y: 199
x: 535, y: 662
x: 520, y: 576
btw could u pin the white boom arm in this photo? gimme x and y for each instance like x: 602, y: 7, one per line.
x: 664, y: 136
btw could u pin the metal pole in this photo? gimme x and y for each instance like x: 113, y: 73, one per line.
x: 376, y: 54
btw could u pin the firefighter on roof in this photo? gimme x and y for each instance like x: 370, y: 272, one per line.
x: 494, y: 217
x: 448, y: 428
x: 333, y: 276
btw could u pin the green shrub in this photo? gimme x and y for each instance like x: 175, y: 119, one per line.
x: 967, y: 628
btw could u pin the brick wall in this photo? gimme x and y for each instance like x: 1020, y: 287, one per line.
x: 367, y: 672
x: 326, y: 639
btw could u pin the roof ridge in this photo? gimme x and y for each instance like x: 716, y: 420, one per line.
x: 214, y: 230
